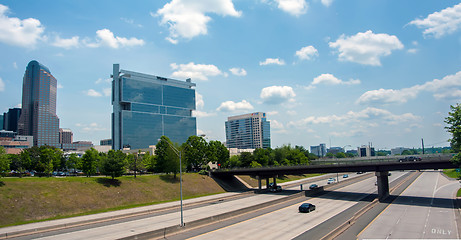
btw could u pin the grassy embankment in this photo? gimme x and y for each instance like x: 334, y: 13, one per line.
x: 286, y: 178
x: 31, y: 199
x: 453, y: 174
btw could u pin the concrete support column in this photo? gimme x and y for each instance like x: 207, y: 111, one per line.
x: 382, y: 181
x: 259, y: 183
x: 267, y: 183
x: 275, y: 181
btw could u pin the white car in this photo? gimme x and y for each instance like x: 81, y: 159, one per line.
x: 331, y: 180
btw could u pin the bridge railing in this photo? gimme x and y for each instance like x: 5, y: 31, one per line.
x: 357, y: 160
x: 379, y: 159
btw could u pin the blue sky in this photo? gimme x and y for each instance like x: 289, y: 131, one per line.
x: 325, y: 71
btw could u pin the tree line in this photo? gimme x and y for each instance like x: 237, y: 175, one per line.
x: 45, y: 160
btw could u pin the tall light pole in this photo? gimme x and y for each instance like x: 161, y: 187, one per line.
x: 177, y: 152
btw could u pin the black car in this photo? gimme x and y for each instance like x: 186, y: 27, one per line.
x: 410, y: 159
x: 274, y: 188
x: 306, y: 207
x: 313, y: 186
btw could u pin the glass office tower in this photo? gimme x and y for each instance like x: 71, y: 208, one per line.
x: 38, y: 115
x: 248, y: 131
x: 146, y: 107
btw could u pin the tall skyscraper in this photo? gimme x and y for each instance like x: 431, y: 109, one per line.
x: 38, y: 116
x: 248, y: 131
x: 146, y: 107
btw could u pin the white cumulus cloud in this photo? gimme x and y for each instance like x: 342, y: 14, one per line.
x: 375, y: 114
x: 195, y: 71
x: 293, y: 7
x: 439, y: 24
x: 231, y: 106
x: 307, y: 53
x: 238, y: 71
x: 17, y: 32
x: 107, y: 92
x: 446, y: 88
x: 2, y: 85
x: 93, y: 93
x: 277, y: 94
x: 366, y: 47
x: 327, y: 2
x: 188, y: 18
x: 330, y: 79
x: 66, y: 43
x: 276, y: 125
x: 275, y: 61
x: 105, y: 37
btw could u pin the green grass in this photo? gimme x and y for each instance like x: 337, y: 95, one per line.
x: 451, y: 173
x: 31, y: 199
x: 458, y: 194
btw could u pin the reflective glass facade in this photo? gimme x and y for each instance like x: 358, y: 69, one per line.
x: 248, y: 131
x: 146, y: 107
x: 38, y: 115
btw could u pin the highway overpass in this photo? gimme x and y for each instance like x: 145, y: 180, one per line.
x: 380, y: 165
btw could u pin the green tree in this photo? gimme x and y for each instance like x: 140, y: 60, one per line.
x: 234, y: 161
x: 114, y: 164
x: 73, y: 162
x: 245, y: 159
x: 212, y: 151
x: 409, y: 152
x: 222, y: 153
x: 46, y: 159
x: 90, y: 162
x: 262, y: 156
x: 34, y: 157
x: 15, y: 162
x: 194, y: 153
x: 167, y: 157
x: 255, y: 164
x: 340, y: 155
x: 454, y: 127
x: 350, y: 155
x: 25, y: 161
x: 329, y: 155
x: 149, y: 162
x: 4, y: 162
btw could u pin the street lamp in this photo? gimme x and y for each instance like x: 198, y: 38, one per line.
x: 177, y: 152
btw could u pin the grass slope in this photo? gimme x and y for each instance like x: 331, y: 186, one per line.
x: 31, y: 199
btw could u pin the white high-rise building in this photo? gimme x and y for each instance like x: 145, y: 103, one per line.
x: 248, y: 131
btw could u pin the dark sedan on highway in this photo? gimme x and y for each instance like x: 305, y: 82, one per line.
x: 306, y: 207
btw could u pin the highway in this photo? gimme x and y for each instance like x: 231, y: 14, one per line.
x: 423, y: 211
x: 287, y: 222
x: 282, y: 220
x: 159, y: 219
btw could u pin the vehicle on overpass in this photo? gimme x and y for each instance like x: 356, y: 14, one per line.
x: 410, y: 159
x: 306, y: 207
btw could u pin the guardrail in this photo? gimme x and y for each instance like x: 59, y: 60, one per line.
x: 352, y: 161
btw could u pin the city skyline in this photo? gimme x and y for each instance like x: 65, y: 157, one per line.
x: 335, y: 72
